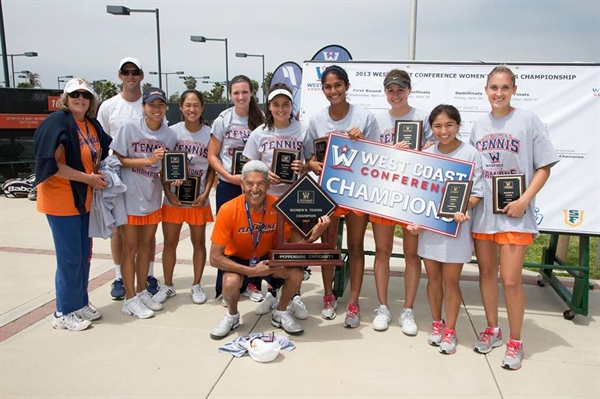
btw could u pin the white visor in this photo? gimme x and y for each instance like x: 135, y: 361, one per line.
x: 277, y: 92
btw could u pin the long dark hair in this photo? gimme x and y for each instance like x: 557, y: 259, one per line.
x: 199, y: 95
x: 255, y: 115
x: 269, y: 119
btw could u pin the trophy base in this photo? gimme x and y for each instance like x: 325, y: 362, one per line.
x: 287, y: 257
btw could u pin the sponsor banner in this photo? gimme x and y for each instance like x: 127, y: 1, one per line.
x: 21, y: 121
x: 545, y: 90
x: 402, y: 185
x: 333, y: 53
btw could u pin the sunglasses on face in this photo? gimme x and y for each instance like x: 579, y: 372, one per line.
x: 86, y: 94
x: 134, y: 72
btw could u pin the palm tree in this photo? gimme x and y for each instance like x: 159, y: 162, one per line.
x: 146, y: 86
x: 109, y: 89
x: 266, y: 84
x: 32, y: 81
x: 216, y: 94
x: 174, y: 98
x: 190, y: 82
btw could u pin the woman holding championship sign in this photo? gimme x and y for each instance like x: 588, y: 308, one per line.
x: 444, y: 256
x: 193, y: 207
x: 512, y: 142
x: 343, y: 118
x: 397, y: 87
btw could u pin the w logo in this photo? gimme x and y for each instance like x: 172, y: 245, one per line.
x: 495, y: 157
x: 320, y: 71
x: 343, y: 159
x: 331, y: 55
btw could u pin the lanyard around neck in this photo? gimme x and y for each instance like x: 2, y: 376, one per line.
x: 89, y: 142
x: 251, y: 227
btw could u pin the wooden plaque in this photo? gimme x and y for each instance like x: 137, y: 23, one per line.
x: 506, y: 189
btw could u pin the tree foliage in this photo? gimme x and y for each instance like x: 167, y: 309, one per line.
x: 267, y: 82
x: 105, y: 90
x: 190, y: 82
x: 146, y: 86
x: 174, y: 98
x: 32, y: 81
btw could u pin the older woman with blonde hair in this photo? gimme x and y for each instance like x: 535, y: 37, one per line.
x: 68, y: 145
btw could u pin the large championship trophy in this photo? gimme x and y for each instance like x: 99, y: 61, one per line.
x: 302, y: 206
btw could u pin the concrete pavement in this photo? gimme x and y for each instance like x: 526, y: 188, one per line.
x: 172, y: 355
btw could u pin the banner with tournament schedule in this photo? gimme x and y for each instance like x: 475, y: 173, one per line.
x: 402, y: 185
x: 566, y: 97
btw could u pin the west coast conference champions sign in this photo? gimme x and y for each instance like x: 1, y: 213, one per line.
x: 566, y: 97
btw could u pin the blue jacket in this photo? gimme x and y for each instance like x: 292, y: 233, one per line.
x: 60, y: 128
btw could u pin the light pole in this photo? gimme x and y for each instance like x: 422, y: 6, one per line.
x: 59, y: 79
x: 120, y: 10
x: 167, y: 79
x: 262, y: 81
x: 202, y: 39
x: 12, y: 62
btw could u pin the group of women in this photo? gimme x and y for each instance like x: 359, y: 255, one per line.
x: 500, y: 240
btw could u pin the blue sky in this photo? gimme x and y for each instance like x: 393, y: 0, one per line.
x: 80, y: 38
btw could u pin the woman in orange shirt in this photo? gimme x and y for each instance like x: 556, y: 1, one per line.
x: 67, y: 146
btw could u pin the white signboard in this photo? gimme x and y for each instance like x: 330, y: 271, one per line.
x: 566, y: 97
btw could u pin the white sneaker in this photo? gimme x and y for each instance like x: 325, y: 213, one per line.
x: 71, y: 322
x: 253, y: 293
x: 267, y: 305
x: 329, y: 305
x: 407, y: 322
x: 164, y: 292
x: 382, y: 319
x: 285, y: 320
x: 298, y: 308
x: 89, y: 312
x: 149, y: 301
x: 198, y: 295
x: 223, y: 302
x: 227, y: 323
x: 135, y: 307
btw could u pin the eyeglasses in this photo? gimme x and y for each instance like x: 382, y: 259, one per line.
x: 134, y: 72
x: 76, y: 94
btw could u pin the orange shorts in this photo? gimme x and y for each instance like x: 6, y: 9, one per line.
x: 506, y: 238
x: 192, y: 216
x: 344, y: 211
x: 153, y: 218
x: 386, y: 222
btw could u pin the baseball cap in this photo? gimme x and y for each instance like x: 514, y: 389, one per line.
x: 277, y: 92
x: 152, y: 94
x: 132, y: 60
x: 78, y: 84
x: 402, y: 81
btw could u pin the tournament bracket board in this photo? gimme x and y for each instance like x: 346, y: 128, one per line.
x: 566, y: 97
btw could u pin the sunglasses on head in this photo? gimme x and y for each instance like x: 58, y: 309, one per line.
x: 134, y: 72
x: 86, y: 94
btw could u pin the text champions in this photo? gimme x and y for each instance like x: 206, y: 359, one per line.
x: 406, y: 186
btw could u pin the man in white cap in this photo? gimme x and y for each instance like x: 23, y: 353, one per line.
x: 125, y: 106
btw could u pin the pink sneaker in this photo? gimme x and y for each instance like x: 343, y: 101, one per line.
x: 437, y: 332
x: 352, y: 316
x: 329, y: 305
